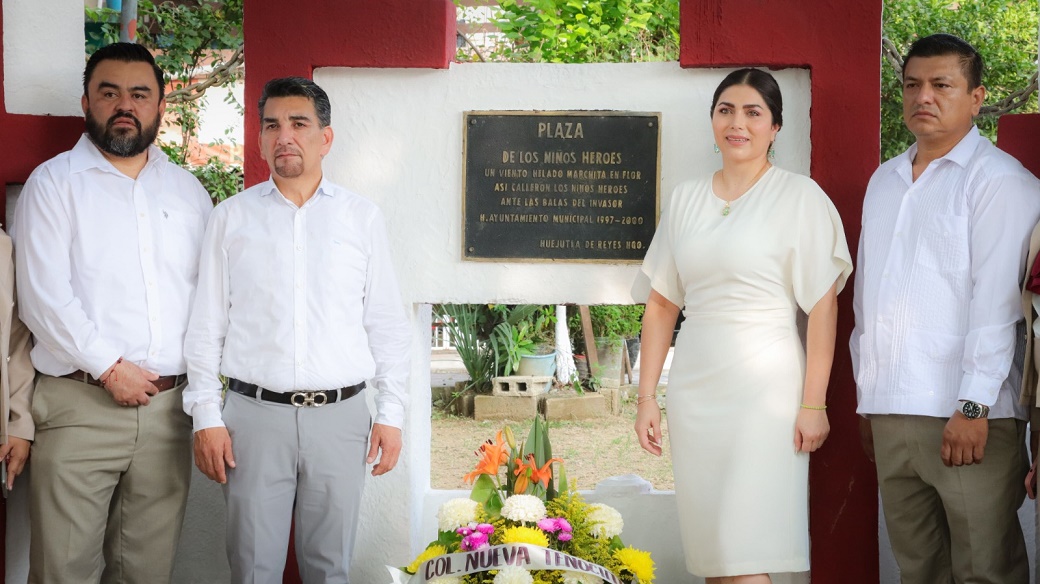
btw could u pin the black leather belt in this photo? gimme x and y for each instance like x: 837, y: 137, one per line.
x: 296, y: 398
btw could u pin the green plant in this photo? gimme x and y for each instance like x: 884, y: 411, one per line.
x: 220, y: 180
x: 611, y: 321
x: 463, y: 323
x: 1004, y: 32
x: 584, y: 31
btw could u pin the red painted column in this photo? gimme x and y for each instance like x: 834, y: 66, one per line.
x: 345, y: 33
x: 1019, y: 136
x: 838, y: 41
x: 28, y: 142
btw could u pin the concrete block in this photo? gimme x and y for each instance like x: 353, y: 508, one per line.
x: 578, y: 407
x: 493, y: 407
x: 613, y: 397
x: 520, y: 385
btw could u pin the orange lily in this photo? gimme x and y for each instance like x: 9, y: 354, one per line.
x: 529, y: 472
x: 493, y: 455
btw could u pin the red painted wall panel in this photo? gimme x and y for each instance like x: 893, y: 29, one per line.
x: 342, y: 33
x: 1019, y: 136
x: 839, y: 42
x: 28, y: 141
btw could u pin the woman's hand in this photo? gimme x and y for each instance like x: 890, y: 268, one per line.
x: 648, y: 426
x: 810, y: 430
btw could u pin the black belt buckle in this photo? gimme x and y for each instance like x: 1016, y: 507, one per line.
x: 309, y: 399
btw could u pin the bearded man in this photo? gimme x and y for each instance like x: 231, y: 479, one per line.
x: 107, y: 240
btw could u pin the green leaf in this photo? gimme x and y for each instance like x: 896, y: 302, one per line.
x: 483, y: 490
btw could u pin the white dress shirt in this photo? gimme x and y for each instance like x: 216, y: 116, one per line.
x: 107, y: 264
x: 937, y: 298
x: 297, y: 298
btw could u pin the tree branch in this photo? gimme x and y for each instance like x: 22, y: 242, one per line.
x: 218, y: 76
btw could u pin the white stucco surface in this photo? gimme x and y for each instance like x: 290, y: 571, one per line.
x: 398, y: 141
x: 43, y: 57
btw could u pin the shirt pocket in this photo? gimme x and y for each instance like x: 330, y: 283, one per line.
x: 944, y: 244
x: 182, y: 231
x: 932, y: 360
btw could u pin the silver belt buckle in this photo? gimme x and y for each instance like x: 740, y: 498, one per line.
x: 309, y: 399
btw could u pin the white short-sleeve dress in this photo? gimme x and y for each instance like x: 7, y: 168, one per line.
x: 735, y: 384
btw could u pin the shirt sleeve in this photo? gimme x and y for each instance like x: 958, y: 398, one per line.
x: 207, y: 328
x: 388, y: 330
x: 49, y: 307
x: 659, y: 271
x: 821, y: 257
x: 1004, y: 211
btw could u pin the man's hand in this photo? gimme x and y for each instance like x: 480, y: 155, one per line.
x: 866, y: 437
x: 213, y: 452
x: 16, y: 452
x: 811, y: 428
x: 130, y: 385
x: 964, y: 440
x: 388, y: 440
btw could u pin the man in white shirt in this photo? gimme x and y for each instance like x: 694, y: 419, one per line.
x: 107, y: 241
x: 935, y: 350
x: 298, y: 307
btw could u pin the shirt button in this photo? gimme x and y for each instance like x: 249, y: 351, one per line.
x: 155, y: 318
x: 140, y: 214
x: 880, y: 319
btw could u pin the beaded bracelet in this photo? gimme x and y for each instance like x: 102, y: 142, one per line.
x: 815, y: 408
x: 111, y: 373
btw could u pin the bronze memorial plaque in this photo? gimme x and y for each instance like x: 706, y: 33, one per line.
x: 578, y: 186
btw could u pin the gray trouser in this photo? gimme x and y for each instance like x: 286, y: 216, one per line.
x: 107, y: 481
x: 313, y: 457
x: 952, y: 524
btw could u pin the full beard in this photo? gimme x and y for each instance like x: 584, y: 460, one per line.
x: 123, y: 142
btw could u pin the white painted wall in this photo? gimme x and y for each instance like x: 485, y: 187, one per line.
x: 399, y: 142
x: 43, y: 57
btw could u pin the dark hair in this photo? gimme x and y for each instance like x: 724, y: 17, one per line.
x: 299, y: 87
x: 127, y: 53
x: 942, y: 44
x: 760, y: 81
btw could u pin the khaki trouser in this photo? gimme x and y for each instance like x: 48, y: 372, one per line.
x: 952, y: 524
x: 108, y: 482
x: 308, y: 462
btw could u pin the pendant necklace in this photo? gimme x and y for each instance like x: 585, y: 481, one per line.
x: 725, y: 208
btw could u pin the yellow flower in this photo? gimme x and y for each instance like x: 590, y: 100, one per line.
x: 529, y: 535
x: 431, y: 552
x: 637, y: 562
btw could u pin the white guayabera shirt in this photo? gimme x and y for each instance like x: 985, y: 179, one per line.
x: 297, y: 298
x: 937, y: 297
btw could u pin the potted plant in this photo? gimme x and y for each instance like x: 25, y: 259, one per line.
x: 538, y: 357
x: 612, y: 324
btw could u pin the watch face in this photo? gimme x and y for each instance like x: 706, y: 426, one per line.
x: 971, y: 410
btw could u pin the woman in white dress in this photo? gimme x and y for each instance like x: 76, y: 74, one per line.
x: 746, y: 251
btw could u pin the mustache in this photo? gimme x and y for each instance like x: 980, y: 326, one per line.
x: 127, y: 115
x: 286, y: 150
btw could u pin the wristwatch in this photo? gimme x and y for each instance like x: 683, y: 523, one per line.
x: 973, y: 410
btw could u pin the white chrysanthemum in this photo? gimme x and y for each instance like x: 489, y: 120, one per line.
x: 447, y: 580
x: 524, y: 508
x: 456, y: 513
x: 605, y: 521
x: 513, y: 575
x: 580, y: 578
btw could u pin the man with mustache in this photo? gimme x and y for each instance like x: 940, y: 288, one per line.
x: 107, y: 242
x: 298, y: 307
x: 938, y: 343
